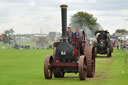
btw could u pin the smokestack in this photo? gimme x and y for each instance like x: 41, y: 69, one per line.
x: 64, y: 20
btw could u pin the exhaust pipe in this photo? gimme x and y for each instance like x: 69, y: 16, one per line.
x: 64, y: 21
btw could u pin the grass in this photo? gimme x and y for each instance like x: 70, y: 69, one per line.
x: 25, y: 67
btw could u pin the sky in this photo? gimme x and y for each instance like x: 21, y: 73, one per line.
x: 30, y: 16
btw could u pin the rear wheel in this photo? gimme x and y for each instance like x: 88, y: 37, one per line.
x: 47, y: 68
x: 108, y: 52
x: 82, y: 68
x: 90, y: 56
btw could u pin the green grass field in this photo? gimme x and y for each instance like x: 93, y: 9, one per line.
x: 25, y: 67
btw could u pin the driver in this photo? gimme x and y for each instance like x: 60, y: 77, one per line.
x: 76, y: 34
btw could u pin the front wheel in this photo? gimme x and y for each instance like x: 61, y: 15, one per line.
x: 47, y: 68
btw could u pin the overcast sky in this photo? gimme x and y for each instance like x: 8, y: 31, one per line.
x: 29, y: 16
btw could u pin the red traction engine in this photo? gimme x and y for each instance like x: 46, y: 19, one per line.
x: 72, y: 57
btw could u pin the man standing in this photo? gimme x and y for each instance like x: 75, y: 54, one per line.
x: 69, y: 32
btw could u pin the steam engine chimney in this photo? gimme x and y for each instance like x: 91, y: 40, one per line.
x: 64, y: 21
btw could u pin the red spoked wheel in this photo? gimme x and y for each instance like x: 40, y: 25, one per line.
x: 47, y: 67
x: 82, y: 68
x: 90, y: 55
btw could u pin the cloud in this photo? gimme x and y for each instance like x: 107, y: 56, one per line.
x: 29, y: 16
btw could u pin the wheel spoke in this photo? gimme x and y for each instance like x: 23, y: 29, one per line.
x: 85, y: 67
